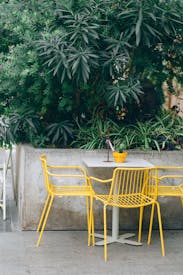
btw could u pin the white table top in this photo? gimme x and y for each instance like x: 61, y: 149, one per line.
x: 98, y: 162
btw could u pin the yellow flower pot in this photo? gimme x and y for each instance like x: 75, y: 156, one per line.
x: 119, y: 157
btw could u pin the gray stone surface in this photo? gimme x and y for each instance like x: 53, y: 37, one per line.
x: 66, y: 253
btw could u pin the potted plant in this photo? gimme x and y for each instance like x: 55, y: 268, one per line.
x: 120, y: 154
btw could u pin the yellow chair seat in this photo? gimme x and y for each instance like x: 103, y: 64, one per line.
x: 126, y: 201
x: 70, y: 190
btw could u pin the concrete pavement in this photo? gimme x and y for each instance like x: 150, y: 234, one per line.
x: 66, y: 253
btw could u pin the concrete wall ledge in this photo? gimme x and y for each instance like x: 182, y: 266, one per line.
x: 69, y: 213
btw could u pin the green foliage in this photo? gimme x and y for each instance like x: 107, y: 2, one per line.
x: 120, y: 148
x: 6, y: 136
x: 23, y: 124
x: 143, y: 134
x: 151, y: 21
x: 61, y: 60
x: 60, y: 132
x: 122, y: 92
x: 108, y: 53
x: 168, y: 131
x: 164, y: 132
x: 94, y: 134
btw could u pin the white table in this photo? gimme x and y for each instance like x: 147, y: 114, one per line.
x: 98, y: 162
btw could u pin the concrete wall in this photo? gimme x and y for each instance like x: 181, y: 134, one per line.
x: 69, y: 213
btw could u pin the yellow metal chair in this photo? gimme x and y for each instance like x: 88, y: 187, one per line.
x: 165, y: 186
x: 131, y: 188
x: 166, y: 175
x: 65, y: 174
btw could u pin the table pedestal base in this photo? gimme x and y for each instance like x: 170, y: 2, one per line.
x: 120, y: 239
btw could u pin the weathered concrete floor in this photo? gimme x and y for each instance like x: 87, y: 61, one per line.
x: 66, y: 253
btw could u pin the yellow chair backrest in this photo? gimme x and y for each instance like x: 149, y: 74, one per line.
x: 134, y: 181
x: 45, y: 174
x: 64, y: 174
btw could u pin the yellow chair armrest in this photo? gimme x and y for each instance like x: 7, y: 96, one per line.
x: 66, y: 175
x: 169, y: 167
x: 100, y: 180
x: 170, y: 177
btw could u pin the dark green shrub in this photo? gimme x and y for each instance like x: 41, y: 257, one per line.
x: 164, y: 132
x: 61, y: 60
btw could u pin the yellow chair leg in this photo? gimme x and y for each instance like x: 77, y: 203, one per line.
x: 43, y: 213
x: 105, y: 234
x: 92, y: 222
x: 45, y: 220
x: 93, y: 230
x: 140, y: 223
x: 88, y: 220
x: 160, y: 229
x: 150, y: 224
x: 181, y: 200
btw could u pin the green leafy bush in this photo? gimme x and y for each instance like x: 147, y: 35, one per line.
x: 61, y: 60
x: 164, y: 132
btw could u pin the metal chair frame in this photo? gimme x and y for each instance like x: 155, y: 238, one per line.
x: 64, y: 190
x: 131, y: 188
x: 169, y: 190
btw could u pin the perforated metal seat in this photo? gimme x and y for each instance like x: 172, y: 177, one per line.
x: 126, y: 201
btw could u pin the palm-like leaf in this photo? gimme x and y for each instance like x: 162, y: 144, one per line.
x: 59, y: 133
x: 81, y: 62
x: 150, y: 21
x: 82, y: 28
x: 24, y: 123
x: 123, y: 91
x: 23, y: 120
x: 55, y: 53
